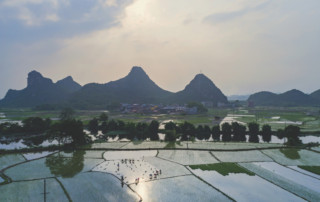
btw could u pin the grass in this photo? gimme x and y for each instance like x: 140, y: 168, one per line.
x: 170, y: 145
x: 6, y: 180
x: 223, y: 168
x: 313, y: 169
x: 291, y: 153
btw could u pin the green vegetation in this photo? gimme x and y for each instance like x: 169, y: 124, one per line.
x: 170, y: 145
x: 200, y: 107
x: 292, y: 133
x: 291, y: 153
x: 5, y: 178
x: 60, y: 165
x: 313, y: 169
x: 223, y: 168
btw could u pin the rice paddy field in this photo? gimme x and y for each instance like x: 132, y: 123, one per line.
x: 281, y: 174
x: 308, y: 118
x: 121, y: 170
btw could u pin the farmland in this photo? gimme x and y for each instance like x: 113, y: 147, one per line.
x: 122, y: 170
x: 163, y: 175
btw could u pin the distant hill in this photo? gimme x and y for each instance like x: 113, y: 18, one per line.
x: 40, y: 90
x: 136, y: 87
x: 290, y: 98
x: 68, y: 84
x: 201, y: 88
x: 238, y: 97
x: 316, y: 95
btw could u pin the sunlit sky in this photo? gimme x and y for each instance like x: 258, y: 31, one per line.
x: 244, y: 46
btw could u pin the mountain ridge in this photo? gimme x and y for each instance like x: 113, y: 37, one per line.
x: 289, y: 98
x: 135, y: 87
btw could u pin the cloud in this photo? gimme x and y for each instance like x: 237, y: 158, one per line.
x: 235, y: 14
x: 252, y: 46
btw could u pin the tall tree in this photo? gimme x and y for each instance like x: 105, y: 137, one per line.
x: 216, y: 133
x: 292, y: 133
x: 206, y: 132
x: 112, y: 125
x: 226, y: 131
x: 131, y: 129
x: 67, y: 130
x: 36, y: 125
x: 253, y: 132
x: 142, y: 130
x: 104, y: 127
x: 188, y: 131
x: 199, y: 132
x: 153, y: 130
x: 239, y: 132
x: 93, y: 126
x: 266, y: 133
x: 121, y: 125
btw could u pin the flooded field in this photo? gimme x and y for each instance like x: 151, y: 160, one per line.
x: 157, y: 175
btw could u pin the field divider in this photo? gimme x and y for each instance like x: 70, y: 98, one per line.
x: 64, y: 189
x: 34, y: 179
x: 302, y: 172
x: 134, y: 149
x: 274, y: 183
x: 6, y: 168
x: 162, y: 178
x: 210, y: 152
x: 209, y: 184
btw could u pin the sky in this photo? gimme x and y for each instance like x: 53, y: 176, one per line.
x: 243, y: 46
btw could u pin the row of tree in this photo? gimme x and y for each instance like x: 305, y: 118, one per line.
x: 227, y: 132
x: 70, y: 130
x: 127, y: 130
x: 187, y: 131
x: 36, y: 129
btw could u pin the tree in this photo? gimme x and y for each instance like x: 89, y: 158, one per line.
x: 226, y: 132
x: 104, y: 127
x: 153, y: 130
x: 59, y: 165
x: 206, y: 132
x: 121, y: 125
x: 280, y: 134
x: 67, y: 114
x: 170, y: 135
x: 131, y: 129
x: 93, y: 126
x: 253, y: 132
x: 141, y: 129
x: 68, y: 130
x: 199, y: 132
x: 239, y: 132
x: 36, y: 125
x: 266, y: 133
x: 188, y: 131
x: 170, y: 126
x: 200, y: 107
x: 292, y: 133
x: 216, y: 133
x: 112, y: 125
x: 103, y: 117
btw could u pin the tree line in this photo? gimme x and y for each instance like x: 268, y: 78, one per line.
x: 70, y: 130
x: 187, y: 131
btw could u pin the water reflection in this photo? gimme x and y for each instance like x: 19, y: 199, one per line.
x: 291, y: 153
x: 64, y: 165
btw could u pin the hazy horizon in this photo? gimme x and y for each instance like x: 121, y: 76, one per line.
x: 242, y: 46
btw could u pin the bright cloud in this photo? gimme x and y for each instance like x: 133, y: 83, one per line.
x: 243, y: 46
